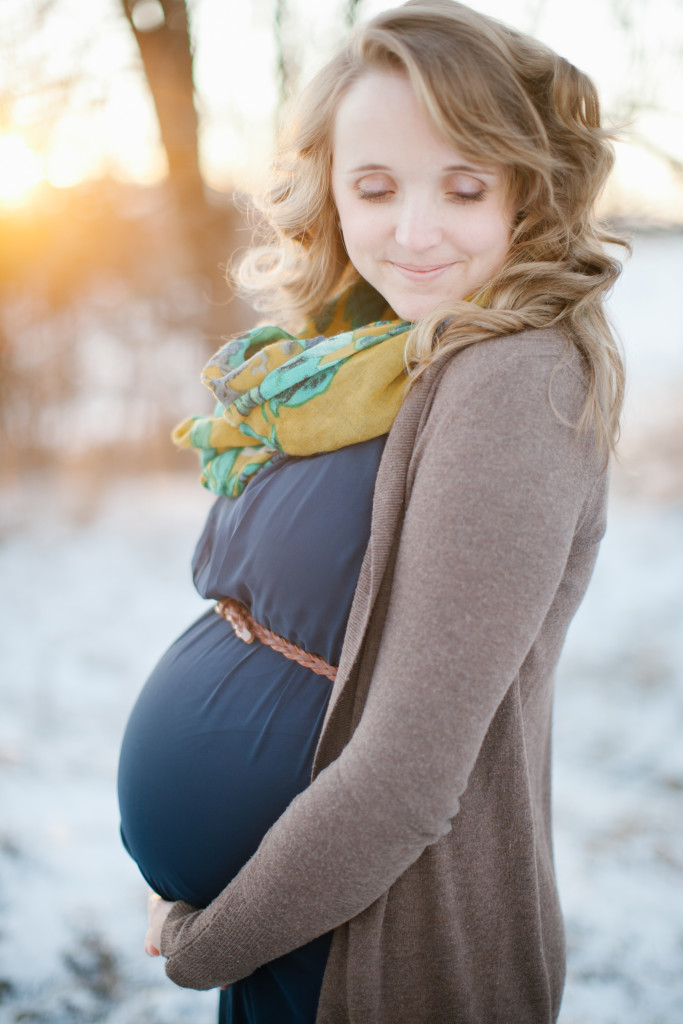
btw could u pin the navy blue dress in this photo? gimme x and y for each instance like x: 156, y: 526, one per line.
x: 223, y: 734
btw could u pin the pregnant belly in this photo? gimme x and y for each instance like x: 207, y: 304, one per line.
x: 219, y: 742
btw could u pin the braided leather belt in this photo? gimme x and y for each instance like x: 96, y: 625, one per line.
x: 246, y: 628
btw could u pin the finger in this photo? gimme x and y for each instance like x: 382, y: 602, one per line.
x: 151, y: 950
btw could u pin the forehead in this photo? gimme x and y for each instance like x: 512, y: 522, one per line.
x: 372, y: 102
x: 379, y: 120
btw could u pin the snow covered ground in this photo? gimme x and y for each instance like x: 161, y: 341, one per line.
x: 95, y: 589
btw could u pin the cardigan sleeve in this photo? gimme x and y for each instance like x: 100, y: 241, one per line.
x: 500, y: 480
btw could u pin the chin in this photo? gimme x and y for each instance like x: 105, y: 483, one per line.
x: 413, y: 307
x: 416, y: 310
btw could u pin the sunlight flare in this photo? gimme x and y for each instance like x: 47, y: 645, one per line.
x: 20, y: 170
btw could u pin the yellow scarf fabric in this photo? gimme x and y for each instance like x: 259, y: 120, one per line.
x: 339, y: 381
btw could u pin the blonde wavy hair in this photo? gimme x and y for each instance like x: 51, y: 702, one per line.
x: 500, y: 98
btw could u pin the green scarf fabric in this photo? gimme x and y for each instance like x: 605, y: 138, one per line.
x: 339, y: 381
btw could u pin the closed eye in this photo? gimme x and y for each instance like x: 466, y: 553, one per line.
x: 468, y: 197
x: 374, y: 196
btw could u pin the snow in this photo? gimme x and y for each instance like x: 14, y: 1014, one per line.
x: 619, y: 778
x: 90, y: 598
x: 96, y: 589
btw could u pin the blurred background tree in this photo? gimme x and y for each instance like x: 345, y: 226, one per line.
x: 109, y: 290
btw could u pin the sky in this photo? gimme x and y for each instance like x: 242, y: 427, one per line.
x: 74, y: 105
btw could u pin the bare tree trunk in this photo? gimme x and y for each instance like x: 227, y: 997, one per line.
x: 166, y: 55
x: 208, y: 227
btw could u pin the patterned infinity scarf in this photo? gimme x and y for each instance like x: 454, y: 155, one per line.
x: 339, y: 381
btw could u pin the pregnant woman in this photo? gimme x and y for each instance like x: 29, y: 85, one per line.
x: 338, y: 787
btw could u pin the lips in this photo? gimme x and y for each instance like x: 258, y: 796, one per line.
x: 421, y: 274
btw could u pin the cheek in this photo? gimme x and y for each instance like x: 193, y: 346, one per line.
x: 490, y: 239
x: 361, y: 224
x: 359, y: 230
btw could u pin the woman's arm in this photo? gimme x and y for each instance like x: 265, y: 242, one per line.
x: 499, y: 487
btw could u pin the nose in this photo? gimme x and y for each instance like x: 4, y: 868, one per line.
x: 418, y: 225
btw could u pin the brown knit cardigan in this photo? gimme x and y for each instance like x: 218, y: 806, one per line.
x: 424, y: 838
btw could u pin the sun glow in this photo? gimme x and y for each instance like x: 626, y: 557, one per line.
x: 20, y: 170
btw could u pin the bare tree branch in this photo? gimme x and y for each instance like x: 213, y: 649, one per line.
x: 646, y: 143
x: 288, y: 64
x: 351, y: 12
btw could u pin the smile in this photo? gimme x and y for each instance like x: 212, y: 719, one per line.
x: 422, y: 274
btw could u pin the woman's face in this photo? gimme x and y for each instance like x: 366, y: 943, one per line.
x: 421, y: 223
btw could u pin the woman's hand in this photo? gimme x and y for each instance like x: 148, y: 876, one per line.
x: 157, y: 912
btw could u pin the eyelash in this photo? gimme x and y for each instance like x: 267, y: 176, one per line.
x: 373, y: 197
x: 459, y: 197
x: 469, y: 197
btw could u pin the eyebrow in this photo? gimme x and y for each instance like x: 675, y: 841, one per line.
x: 451, y: 169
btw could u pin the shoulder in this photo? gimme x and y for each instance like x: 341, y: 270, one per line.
x: 529, y: 355
x: 541, y: 371
x: 510, y: 408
